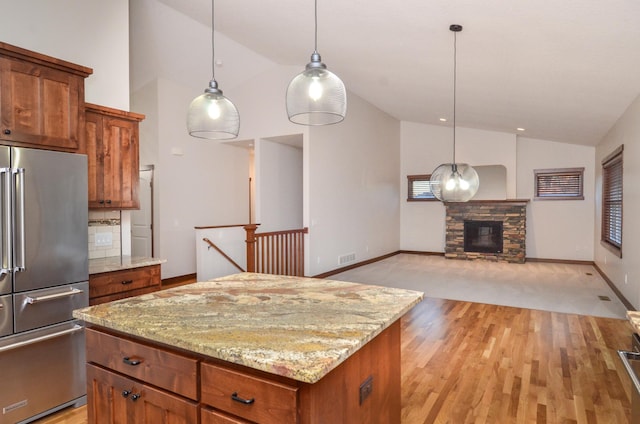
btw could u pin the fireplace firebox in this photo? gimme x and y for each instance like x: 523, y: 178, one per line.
x: 483, y: 236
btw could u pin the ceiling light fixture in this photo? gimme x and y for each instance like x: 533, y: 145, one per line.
x: 211, y: 115
x: 316, y: 96
x: 454, y: 182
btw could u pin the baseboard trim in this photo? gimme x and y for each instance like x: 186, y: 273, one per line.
x: 179, y: 280
x: 420, y: 252
x: 613, y: 287
x: 560, y: 261
x: 356, y: 265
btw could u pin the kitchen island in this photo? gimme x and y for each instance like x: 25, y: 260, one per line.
x: 248, y: 348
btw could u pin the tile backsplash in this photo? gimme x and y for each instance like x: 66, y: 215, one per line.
x: 106, y: 225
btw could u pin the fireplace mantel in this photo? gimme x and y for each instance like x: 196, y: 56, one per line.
x: 477, y: 202
x: 511, y: 212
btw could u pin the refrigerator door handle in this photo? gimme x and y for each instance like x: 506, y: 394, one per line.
x: 6, y: 227
x: 18, y: 227
x: 31, y: 300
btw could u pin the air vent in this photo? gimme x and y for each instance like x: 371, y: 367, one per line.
x: 604, y: 298
x: 345, y: 259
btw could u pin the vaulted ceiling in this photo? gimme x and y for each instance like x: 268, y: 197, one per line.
x: 562, y: 70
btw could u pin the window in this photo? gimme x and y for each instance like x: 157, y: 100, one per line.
x: 559, y: 184
x: 612, y: 201
x: 419, y: 188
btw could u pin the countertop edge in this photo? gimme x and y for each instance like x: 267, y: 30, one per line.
x: 119, y: 263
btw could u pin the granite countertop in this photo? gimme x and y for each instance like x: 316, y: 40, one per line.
x: 634, y: 319
x: 296, y: 327
x: 117, y: 263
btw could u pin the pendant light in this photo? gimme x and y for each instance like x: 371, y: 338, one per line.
x: 211, y: 115
x: 316, y: 96
x: 454, y: 182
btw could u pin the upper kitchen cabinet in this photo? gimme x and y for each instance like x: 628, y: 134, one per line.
x: 111, y: 144
x: 41, y: 100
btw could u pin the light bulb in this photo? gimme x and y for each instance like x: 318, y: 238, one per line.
x: 315, y: 89
x: 451, y: 183
x: 213, y: 110
x: 464, y: 184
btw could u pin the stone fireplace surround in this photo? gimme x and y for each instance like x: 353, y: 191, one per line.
x: 512, y: 213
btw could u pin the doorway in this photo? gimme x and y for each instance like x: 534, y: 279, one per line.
x: 142, y: 219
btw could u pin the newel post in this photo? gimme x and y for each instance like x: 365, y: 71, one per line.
x: 251, y: 246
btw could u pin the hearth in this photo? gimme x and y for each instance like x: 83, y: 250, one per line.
x: 483, y: 236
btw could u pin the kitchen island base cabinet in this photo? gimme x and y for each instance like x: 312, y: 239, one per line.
x: 115, y: 399
x: 364, y: 389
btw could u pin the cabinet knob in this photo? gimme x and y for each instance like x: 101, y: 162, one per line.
x: 101, y: 202
x: 132, y: 362
x: 125, y: 282
x: 136, y: 396
x: 7, y: 131
x: 108, y: 202
x: 126, y: 393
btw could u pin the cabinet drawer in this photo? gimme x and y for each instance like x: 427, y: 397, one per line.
x: 214, y: 417
x: 108, y: 283
x: 161, y: 368
x: 266, y: 401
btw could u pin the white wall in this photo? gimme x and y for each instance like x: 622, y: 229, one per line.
x: 423, y: 148
x: 557, y: 229
x: 353, y: 190
x: 625, y: 271
x: 91, y: 33
x: 279, y: 185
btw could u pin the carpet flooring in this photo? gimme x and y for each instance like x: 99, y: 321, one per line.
x: 554, y: 287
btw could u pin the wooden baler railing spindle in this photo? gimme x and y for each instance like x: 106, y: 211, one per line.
x: 276, y: 252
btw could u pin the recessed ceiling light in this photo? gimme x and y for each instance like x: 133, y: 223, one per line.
x: 520, y: 129
x: 443, y: 119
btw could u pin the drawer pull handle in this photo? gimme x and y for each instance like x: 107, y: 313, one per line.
x: 234, y: 396
x: 125, y: 282
x: 136, y: 396
x: 132, y: 362
x: 126, y: 393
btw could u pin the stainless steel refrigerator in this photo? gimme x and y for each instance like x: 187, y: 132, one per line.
x: 43, y: 278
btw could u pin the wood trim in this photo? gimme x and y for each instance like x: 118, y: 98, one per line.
x: 477, y: 202
x: 222, y: 226
x: 613, y: 287
x: 418, y: 252
x: 19, y: 53
x: 179, y: 280
x: 561, y: 261
x: 117, y: 113
x: 356, y: 265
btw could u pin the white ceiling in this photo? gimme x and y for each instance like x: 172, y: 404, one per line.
x: 563, y: 70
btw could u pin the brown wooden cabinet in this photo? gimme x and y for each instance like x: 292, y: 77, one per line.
x: 112, y: 147
x: 114, y: 285
x: 364, y: 389
x: 41, y: 100
x: 115, y: 399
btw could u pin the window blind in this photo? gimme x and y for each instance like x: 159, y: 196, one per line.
x: 612, y: 200
x: 419, y: 187
x: 559, y: 184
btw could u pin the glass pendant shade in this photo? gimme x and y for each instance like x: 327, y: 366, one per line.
x: 211, y: 115
x: 454, y: 182
x: 316, y: 96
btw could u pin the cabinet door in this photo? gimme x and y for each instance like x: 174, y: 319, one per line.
x: 40, y: 106
x: 121, y: 163
x: 114, y: 399
x: 95, y: 158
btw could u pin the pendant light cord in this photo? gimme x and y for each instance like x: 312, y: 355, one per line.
x: 455, y: 56
x: 315, y: 43
x: 213, y: 44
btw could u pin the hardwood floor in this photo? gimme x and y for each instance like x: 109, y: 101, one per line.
x: 468, y: 362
